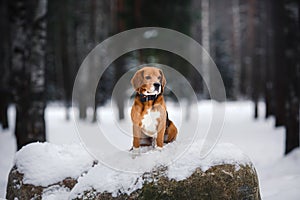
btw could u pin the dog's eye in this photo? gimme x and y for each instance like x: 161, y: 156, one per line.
x: 148, y: 77
x: 159, y: 77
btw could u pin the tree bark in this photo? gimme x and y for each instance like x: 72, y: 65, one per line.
x: 293, y: 70
x: 4, y: 103
x: 120, y: 97
x: 28, y: 61
x: 4, y: 63
x: 280, y: 63
x: 236, y: 22
x: 120, y: 63
x: 269, y: 68
x: 254, y: 53
x: 64, y: 25
x: 205, y: 8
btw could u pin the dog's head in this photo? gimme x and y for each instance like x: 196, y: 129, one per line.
x: 149, y: 81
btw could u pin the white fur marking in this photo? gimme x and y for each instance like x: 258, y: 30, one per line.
x: 149, y: 122
x: 159, y: 148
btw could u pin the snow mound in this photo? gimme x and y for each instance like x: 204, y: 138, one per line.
x: 102, y: 178
x: 44, y: 164
x: 56, y: 192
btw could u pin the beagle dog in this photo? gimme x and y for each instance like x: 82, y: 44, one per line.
x: 151, y: 125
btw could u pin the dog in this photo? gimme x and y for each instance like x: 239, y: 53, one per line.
x: 151, y: 125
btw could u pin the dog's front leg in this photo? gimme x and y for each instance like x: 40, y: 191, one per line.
x: 160, y: 138
x: 136, y: 135
x: 161, y: 127
x: 136, y: 140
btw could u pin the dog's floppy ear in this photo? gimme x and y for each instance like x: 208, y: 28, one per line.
x: 137, y: 79
x: 163, y: 79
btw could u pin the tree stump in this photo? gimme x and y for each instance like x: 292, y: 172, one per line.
x: 220, y: 179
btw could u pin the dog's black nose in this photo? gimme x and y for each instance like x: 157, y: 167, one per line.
x: 156, y: 85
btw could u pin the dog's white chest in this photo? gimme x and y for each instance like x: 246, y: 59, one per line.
x: 149, y: 122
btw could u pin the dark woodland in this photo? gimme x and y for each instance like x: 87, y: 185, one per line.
x: 255, y: 45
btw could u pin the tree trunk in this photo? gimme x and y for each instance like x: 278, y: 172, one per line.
x: 120, y: 97
x: 205, y: 8
x: 244, y: 42
x: 269, y: 68
x: 120, y: 63
x: 292, y: 128
x: 4, y: 103
x: 280, y: 63
x: 93, y: 42
x: 254, y: 53
x: 293, y: 70
x: 236, y: 47
x: 4, y: 63
x: 95, y: 114
x: 82, y: 109
x: 28, y: 56
x: 64, y: 56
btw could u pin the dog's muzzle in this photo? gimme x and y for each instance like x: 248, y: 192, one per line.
x: 156, y: 86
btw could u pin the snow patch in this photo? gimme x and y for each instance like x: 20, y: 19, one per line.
x: 223, y: 153
x: 56, y: 192
x: 104, y: 179
x: 283, y: 175
x: 44, y: 164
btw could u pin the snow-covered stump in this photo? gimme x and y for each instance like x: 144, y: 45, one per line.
x: 44, y: 170
x: 47, y: 171
x: 218, y: 182
x: 17, y: 189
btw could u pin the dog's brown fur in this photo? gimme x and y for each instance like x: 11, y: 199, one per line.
x: 166, y: 130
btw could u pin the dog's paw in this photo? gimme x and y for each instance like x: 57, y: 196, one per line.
x: 158, y: 148
x: 135, y: 152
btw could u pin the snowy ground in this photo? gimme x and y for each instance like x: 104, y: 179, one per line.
x: 279, y: 176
